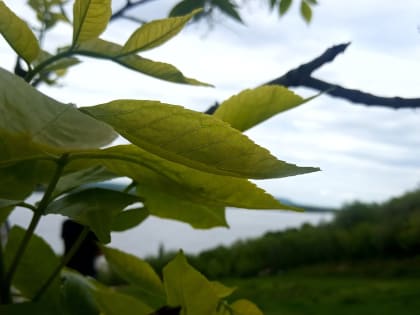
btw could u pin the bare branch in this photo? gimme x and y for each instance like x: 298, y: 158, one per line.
x: 129, y: 5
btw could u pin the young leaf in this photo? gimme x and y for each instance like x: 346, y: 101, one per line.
x: 155, y: 33
x: 129, y: 218
x: 18, y: 34
x: 94, y: 207
x: 111, y: 302
x: 306, y: 11
x: 186, y: 6
x: 158, y: 70
x: 191, y: 138
x: 90, y: 19
x: 251, y: 107
x: 284, y: 6
x: 245, y: 307
x: 35, y: 267
x: 228, y: 8
x: 52, y: 128
x: 136, y: 272
x: 187, y: 288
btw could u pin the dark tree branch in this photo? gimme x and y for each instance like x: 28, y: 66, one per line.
x: 301, y: 76
x: 129, y: 4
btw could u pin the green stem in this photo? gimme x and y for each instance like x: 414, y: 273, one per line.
x: 33, y: 72
x: 39, y: 211
x: 4, y: 289
x: 63, y: 263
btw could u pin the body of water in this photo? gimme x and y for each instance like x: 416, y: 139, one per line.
x: 146, y: 238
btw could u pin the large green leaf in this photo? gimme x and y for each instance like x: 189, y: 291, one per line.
x: 90, y: 19
x: 94, y: 207
x: 187, y: 288
x: 34, y: 122
x: 111, y: 51
x: 251, y: 107
x: 35, y: 267
x: 167, y: 187
x: 32, y: 308
x: 191, y: 138
x: 18, y: 34
x: 155, y: 33
x: 136, y: 272
x: 113, y: 303
x: 284, y: 6
x: 18, y: 181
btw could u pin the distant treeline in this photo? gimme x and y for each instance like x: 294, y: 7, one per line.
x: 358, y: 232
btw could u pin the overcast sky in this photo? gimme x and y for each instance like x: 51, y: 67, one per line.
x: 369, y: 154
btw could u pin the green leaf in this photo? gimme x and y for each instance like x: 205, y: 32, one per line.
x: 272, y: 4
x: 18, y: 181
x: 284, y: 6
x: 245, y: 307
x: 155, y: 33
x: 18, y: 34
x: 221, y: 290
x: 186, y: 6
x: 136, y: 272
x: 312, y: 1
x: 77, y: 294
x: 60, y: 64
x: 35, y: 267
x: 228, y: 8
x: 191, y: 138
x: 129, y: 218
x: 159, y: 70
x: 305, y: 11
x: 32, y: 308
x: 94, y: 207
x: 251, y: 107
x: 171, y: 190
x: 38, y: 124
x: 82, y: 177
x: 113, y: 303
x: 90, y: 19
x: 188, y: 288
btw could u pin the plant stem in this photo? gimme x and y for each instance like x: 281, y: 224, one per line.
x: 63, y: 263
x: 39, y: 211
x: 4, y: 289
x: 33, y: 72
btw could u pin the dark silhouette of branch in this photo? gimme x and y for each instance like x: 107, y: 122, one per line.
x: 301, y: 76
x: 129, y: 4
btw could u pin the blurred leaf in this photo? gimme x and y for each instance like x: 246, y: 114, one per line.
x: 284, y: 6
x: 251, y: 107
x: 77, y: 294
x: 306, y: 11
x: 159, y: 70
x: 82, y: 177
x: 154, y: 34
x: 136, y: 272
x: 228, y: 8
x: 191, y: 138
x: 245, y: 307
x: 272, y: 3
x: 129, y: 218
x: 312, y: 1
x: 113, y: 303
x: 60, y: 64
x: 94, y: 207
x: 51, y: 130
x: 90, y: 19
x: 35, y: 267
x: 32, y: 308
x: 188, y: 288
x: 186, y: 6
x: 5, y: 203
x: 221, y: 290
x: 18, y: 181
x: 18, y: 34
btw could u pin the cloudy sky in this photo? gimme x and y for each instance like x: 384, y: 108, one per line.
x: 368, y: 154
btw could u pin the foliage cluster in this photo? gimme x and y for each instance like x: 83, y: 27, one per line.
x: 358, y: 232
x: 182, y: 164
